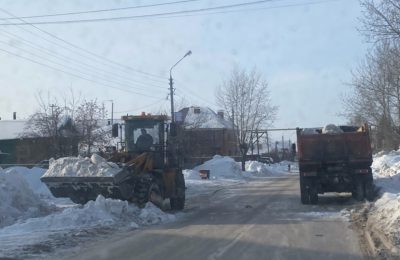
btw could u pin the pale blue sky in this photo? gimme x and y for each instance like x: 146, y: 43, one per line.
x: 305, y: 53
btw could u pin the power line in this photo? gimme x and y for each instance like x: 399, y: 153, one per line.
x: 253, y: 9
x: 78, y: 48
x: 101, y: 10
x: 72, y: 74
x: 64, y: 58
x: 106, y: 79
x: 139, y: 108
x: 145, y: 15
x: 197, y: 97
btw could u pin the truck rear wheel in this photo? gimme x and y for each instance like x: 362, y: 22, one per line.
x: 178, y: 202
x: 303, y: 191
x: 369, y: 191
x: 308, y: 191
x: 359, y: 190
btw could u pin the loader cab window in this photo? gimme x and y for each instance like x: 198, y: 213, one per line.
x: 142, y: 137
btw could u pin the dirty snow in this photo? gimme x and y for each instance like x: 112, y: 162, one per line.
x: 384, y: 214
x: 79, y: 166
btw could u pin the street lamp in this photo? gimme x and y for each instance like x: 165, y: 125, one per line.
x: 112, y: 110
x: 171, y: 89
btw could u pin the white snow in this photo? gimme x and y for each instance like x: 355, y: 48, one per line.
x: 30, y: 215
x: 18, y: 201
x: 220, y: 167
x: 205, y: 119
x: 331, y: 129
x: 385, y: 212
x: 78, y: 166
x: 11, y: 129
x: 259, y: 169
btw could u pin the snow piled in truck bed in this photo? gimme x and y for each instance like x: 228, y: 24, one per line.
x: 385, y: 211
x: 81, y: 167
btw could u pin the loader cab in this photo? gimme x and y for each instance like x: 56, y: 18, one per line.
x: 144, y: 134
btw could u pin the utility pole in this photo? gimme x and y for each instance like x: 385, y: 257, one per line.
x: 171, y: 88
x: 171, y: 94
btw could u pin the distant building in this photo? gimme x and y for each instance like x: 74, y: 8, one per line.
x: 15, y: 148
x: 206, y: 134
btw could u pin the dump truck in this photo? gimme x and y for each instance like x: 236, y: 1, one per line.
x: 334, y: 159
x: 151, y: 167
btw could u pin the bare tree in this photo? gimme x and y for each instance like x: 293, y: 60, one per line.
x: 376, y: 94
x: 246, y: 99
x: 88, y: 117
x: 45, y: 122
x: 381, y: 19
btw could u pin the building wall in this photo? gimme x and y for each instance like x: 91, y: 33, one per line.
x: 33, y: 150
x: 202, y: 144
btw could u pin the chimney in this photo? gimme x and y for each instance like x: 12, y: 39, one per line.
x: 221, y: 113
x: 14, y: 115
x: 196, y: 110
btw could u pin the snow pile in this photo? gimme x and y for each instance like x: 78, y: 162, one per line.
x: 17, y: 200
x: 32, y: 177
x: 258, y: 168
x: 331, y: 129
x: 262, y: 169
x: 220, y: 167
x: 386, y: 165
x: 384, y: 214
x: 78, y: 166
x: 102, y: 212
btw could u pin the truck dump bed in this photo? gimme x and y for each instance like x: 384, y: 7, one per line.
x: 334, y: 160
x: 352, y: 146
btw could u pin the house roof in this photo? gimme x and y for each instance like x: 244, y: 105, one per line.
x: 11, y: 129
x: 202, y: 117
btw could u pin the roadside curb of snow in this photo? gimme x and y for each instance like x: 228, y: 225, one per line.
x: 377, y: 244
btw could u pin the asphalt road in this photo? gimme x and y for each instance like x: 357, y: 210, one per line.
x: 260, y: 219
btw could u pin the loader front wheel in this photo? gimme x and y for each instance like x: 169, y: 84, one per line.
x: 142, y: 193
